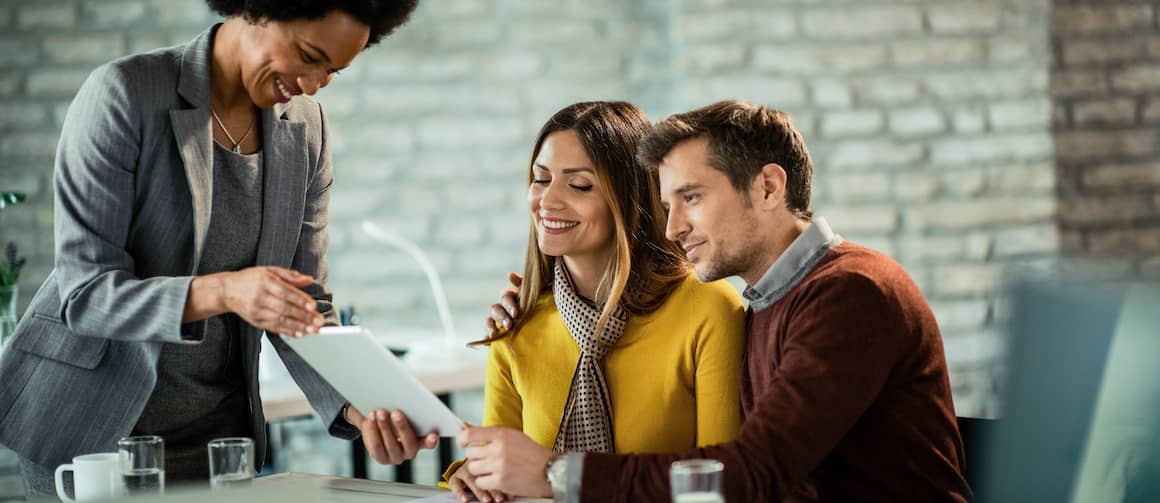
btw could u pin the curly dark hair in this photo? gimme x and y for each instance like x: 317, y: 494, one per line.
x: 382, y: 16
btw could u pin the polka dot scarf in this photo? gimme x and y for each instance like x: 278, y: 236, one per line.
x: 586, y: 424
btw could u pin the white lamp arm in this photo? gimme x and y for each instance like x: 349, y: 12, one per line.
x: 389, y: 238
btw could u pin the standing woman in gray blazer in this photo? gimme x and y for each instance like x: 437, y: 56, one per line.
x: 191, y: 191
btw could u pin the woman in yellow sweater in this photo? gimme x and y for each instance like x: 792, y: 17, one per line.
x: 620, y: 348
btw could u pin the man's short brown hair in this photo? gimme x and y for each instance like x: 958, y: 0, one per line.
x: 742, y: 138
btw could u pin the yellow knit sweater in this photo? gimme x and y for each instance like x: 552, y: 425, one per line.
x: 673, y: 376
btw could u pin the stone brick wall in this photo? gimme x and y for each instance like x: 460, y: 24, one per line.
x: 930, y: 127
x: 939, y: 128
x: 1105, y: 89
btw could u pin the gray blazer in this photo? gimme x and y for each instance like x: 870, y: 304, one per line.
x: 133, y: 187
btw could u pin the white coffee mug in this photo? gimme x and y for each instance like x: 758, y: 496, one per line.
x: 96, y: 477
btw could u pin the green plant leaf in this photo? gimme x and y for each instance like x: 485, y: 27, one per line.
x: 11, y: 198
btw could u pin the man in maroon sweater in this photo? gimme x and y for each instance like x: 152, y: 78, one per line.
x: 845, y: 393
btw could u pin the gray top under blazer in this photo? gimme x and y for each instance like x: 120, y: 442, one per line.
x: 133, y: 189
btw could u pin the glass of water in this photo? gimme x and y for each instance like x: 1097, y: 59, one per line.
x: 231, y: 462
x: 697, y: 481
x: 142, y: 464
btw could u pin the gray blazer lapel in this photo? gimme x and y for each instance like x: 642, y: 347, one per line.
x: 191, y: 129
x: 284, y: 188
x: 194, y: 134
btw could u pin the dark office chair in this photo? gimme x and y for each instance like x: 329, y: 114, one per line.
x: 976, y: 432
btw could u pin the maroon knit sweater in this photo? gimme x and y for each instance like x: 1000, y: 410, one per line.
x: 845, y: 397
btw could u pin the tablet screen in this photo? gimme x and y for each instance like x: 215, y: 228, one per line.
x: 371, y: 378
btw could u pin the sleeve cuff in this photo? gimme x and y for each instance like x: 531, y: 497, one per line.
x: 341, y: 429
x: 193, y: 332
x: 574, y: 474
x: 451, y: 470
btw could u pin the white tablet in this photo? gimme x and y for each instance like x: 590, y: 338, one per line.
x: 372, y: 378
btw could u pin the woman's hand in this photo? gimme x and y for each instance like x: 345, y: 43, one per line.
x: 389, y: 440
x: 462, y: 483
x: 506, y: 312
x: 503, y: 459
x: 267, y: 297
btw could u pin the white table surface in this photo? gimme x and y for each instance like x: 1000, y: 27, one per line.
x: 347, y: 490
x: 298, y: 488
x: 308, y: 488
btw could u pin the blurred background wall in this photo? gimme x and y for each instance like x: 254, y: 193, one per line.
x: 1105, y: 88
x: 969, y: 139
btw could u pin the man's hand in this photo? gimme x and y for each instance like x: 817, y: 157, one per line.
x: 462, y: 483
x: 506, y: 312
x: 503, y: 459
x: 388, y: 436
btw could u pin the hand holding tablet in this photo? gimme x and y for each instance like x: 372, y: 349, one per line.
x: 388, y: 436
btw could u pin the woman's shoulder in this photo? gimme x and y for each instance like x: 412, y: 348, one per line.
x: 543, y: 317
x: 699, y: 309
x: 138, y: 87
x: 154, y: 70
x: 691, y: 295
x: 544, y: 311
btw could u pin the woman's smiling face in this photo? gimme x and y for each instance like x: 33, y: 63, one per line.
x: 567, y: 204
x: 282, y: 59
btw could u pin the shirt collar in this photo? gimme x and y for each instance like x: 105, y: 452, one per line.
x: 798, y: 260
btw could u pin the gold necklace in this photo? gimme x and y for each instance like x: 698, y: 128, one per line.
x: 237, y: 148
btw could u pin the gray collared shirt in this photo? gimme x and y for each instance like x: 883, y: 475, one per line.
x: 794, y: 264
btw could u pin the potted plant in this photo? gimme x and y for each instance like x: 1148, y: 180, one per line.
x: 10, y: 265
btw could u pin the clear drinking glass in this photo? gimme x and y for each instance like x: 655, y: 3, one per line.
x: 231, y: 462
x: 142, y: 464
x: 697, y: 481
